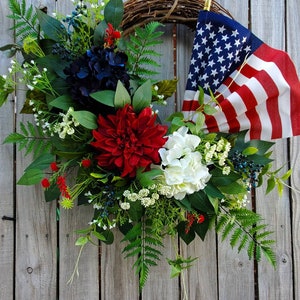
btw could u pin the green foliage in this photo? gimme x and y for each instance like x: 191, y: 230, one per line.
x: 25, y: 19
x: 143, y: 244
x: 140, y: 51
x: 31, y: 138
x: 246, y: 232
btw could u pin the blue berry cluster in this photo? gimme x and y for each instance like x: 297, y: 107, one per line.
x: 248, y: 168
x: 110, y: 198
x: 71, y: 20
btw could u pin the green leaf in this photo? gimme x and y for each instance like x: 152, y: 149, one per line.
x: 63, y: 102
x: 99, y: 236
x: 85, y: 118
x: 30, y: 177
x: 167, y: 87
x: 142, y: 97
x: 271, y: 183
x: 287, y: 175
x: 113, y: 12
x: 201, y: 96
x: 186, y: 237
x: 53, y: 29
x: 209, y: 110
x: 81, y: 241
x: 99, y: 33
x: 122, y: 96
x: 52, y: 193
x: 106, y: 97
x: 42, y: 162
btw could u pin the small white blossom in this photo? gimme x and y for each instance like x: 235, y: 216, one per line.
x: 125, y: 205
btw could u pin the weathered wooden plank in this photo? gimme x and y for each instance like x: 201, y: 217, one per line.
x: 118, y: 278
x: 293, y: 45
x: 274, y: 284
x: 36, y: 244
x: 6, y: 175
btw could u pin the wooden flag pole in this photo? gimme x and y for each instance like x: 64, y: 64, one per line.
x: 207, y: 4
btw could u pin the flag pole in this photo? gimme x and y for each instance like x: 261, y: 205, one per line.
x: 207, y: 4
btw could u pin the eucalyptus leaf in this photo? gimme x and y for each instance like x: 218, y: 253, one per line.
x: 85, y: 118
x: 142, y: 97
x: 122, y: 96
x: 63, y: 102
x: 106, y: 97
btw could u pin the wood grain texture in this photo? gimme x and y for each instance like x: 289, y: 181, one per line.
x: 6, y: 175
x: 292, y: 46
x: 267, y: 22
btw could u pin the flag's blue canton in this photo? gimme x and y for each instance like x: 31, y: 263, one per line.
x: 220, y: 47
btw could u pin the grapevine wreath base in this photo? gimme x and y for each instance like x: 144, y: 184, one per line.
x: 137, y: 13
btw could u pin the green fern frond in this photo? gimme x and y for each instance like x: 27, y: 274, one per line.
x: 140, y: 51
x: 31, y: 139
x: 142, y: 243
x: 25, y: 20
x: 247, y: 232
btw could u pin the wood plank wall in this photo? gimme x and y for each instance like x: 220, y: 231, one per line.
x: 37, y: 253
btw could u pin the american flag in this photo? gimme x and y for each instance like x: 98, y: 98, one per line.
x: 256, y: 86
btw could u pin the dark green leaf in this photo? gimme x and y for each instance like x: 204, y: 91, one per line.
x: 30, y: 177
x: 113, y: 12
x: 52, y: 193
x: 52, y: 28
x: 42, y: 162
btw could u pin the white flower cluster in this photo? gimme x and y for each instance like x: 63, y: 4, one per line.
x: 67, y: 125
x: 218, y: 152
x: 147, y: 196
x: 182, y: 164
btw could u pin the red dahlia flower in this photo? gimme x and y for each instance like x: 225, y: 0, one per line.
x: 128, y: 141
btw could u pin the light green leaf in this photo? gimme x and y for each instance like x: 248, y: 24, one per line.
x: 142, y: 97
x: 287, y: 175
x: 105, y: 97
x: 30, y: 177
x: 201, y: 96
x: 81, y: 241
x: 250, y: 151
x: 122, y: 96
x: 85, y: 118
x: 209, y: 110
x: 270, y: 184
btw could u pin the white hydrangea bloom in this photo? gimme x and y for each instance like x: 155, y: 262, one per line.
x: 182, y: 164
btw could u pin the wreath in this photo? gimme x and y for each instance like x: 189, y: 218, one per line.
x: 91, y: 92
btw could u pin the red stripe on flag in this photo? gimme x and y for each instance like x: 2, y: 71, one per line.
x: 288, y: 71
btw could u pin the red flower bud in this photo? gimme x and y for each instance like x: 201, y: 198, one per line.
x: 54, y: 167
x: 86, y: 163
x: 45, y: 183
